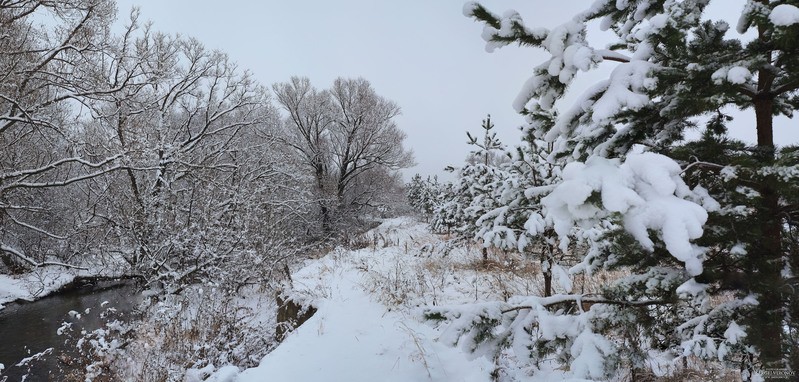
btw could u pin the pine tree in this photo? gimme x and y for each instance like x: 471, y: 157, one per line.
x: 415, y: 190
x: 463, y: 201
x: 691, y: 220
x: 516, y: 221
x: 490, y: 143
x: 423, y: 194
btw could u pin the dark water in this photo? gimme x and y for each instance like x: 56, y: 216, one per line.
x: 30, y: 328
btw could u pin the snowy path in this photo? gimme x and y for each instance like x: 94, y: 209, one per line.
x: 353, y: 337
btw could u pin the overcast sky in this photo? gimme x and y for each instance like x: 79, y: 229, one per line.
x: 424, y: 55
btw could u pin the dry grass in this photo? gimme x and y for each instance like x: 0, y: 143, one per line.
x: 182, y: 332
x: 692, y: 369
x: 509, y: 273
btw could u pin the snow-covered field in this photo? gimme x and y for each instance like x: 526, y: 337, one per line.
x: 369, y: 324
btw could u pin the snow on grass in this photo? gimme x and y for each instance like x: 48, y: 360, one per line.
x: 369, y: 323
x: 372, y: 321
x: 203, y: 327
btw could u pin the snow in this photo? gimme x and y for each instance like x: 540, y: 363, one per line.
x: 528, y: 91
x: 224, y: 374
x: 646, y: 190
x: 626, y: 82
x: 738, y: 250
x: 33, y: 285
x: 734, y: 333
x: 784, y: 15
x: 691, y: 287
x: 562, y: 277
x: 738, y: 75
x: 651, y: 26
x: 589, y: 350
x: 355, y: 335
x: 352, y: 338
x: 469, y: 8
x: 735, y: 75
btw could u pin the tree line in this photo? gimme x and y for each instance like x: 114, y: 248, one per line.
x: 149, y: 152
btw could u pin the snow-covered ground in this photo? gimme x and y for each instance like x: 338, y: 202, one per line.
x: 369, y: 325
x: 36, y: 284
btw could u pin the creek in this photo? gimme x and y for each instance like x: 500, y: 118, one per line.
x: 29, y: 328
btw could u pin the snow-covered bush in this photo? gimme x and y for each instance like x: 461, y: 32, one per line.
x: 202, y: 327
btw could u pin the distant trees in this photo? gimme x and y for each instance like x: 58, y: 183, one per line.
x: 345, y: 136
x: 424, y: 194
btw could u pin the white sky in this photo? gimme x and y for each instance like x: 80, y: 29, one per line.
x: 424, y: 55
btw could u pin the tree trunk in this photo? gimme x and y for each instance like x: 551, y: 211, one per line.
x: 546, y: 267
x: 766, y: 258
x: 327, y: 227
x: 767, y: 266
x: 547, y: 283
x: 321, y: 178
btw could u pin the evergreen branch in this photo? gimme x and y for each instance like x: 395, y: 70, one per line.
x: 480, y: 13
x: 592, y: 301
x: 699, y: 163
x: 789, y: 87
x: 516, y: 32
x: 747, y: 91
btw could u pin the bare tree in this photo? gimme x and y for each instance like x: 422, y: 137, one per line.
x: 343, y: 135
x: 307, y: 131
x: 364, y: 137
x: 196, y: 130
x: 45, y: 75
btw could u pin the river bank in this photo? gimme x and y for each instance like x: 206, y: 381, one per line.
x: 43, y: 282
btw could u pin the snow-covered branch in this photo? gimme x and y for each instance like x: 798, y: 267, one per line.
x: 582, y: 302
x: 33, y: 263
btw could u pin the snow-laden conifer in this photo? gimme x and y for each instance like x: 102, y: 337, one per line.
x: 704, y: 227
